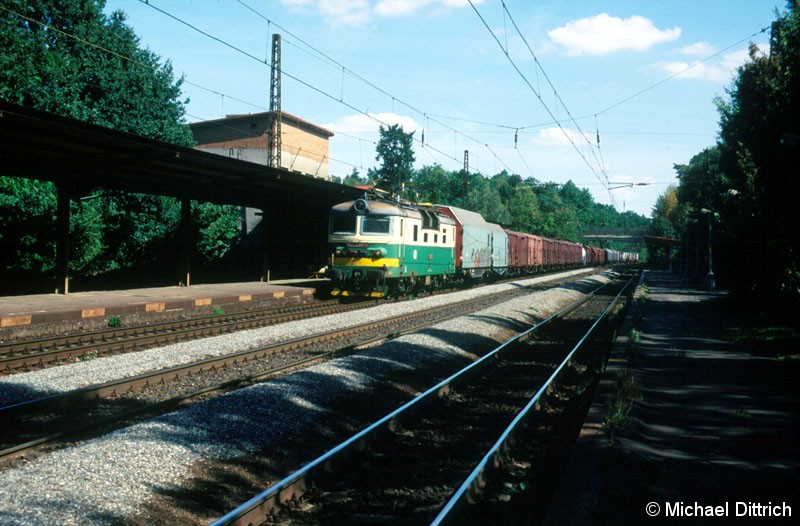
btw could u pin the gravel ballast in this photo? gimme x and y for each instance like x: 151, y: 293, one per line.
x: 109, y: 478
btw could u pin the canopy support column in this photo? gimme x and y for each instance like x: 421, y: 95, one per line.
x: 186, y: 241
x: 63, y: 190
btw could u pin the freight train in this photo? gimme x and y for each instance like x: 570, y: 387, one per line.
x: 384, y: 247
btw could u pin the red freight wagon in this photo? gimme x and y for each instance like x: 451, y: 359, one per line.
x: 516, y: 249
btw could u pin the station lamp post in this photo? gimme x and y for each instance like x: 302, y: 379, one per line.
x: 710, y: 282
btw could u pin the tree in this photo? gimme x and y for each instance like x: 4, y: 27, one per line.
x: 745, y: 180
x: 432, y: 184
x: 27, y: 225
x: 524, y: 209
x: 396, y: 155
x: 68, y: 58
x: 759, y: 158
x: 355, y: 179
x: 668, y: 214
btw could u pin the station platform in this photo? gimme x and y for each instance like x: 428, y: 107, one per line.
x: 713, y: 428
x: 26, y: 316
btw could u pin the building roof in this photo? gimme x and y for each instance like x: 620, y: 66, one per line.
x: 40, y: 145
x: 285, y: 117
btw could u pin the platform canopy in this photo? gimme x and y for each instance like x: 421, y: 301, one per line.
x: 40, y: 145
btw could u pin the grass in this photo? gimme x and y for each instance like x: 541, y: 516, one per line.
x: 627, y: 393
x: 761, y: 334
x: 779, y: 342
x: 742, y: 414
x: 634, y: 339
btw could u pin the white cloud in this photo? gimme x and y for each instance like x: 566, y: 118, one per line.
x: 337, y: 12
x: 603, y: 34
x: 359, y: 12
x: 698, y: 49
x: 399, y: 7
x: 720, y: 71
x: 695, y: 70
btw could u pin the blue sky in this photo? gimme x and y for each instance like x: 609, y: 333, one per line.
x: 492, y: 82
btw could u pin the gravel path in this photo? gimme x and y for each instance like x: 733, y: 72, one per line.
x: 107, y: 479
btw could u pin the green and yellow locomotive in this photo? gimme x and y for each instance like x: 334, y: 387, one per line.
x: 382, y: 247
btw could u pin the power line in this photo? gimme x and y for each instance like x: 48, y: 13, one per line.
x: 600, y: 162
x: 684, y: 70
x: 535, y: 91
x: 345, y: 69
x: 314, y: 88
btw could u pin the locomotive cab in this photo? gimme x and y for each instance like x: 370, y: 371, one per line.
x: 379, y: 246
x: 360, y: 233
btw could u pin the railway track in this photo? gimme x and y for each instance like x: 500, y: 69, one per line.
x: 47, y: 352
x: 436, y: 459
x: 34, y: 354
x: 28, y: 425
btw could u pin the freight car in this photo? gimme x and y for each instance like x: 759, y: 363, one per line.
x: 381, y: 247
x: 481, y: 247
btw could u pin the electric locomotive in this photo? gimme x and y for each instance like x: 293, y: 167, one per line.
x: 381, y: 246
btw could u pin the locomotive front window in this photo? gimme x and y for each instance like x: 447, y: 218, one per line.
x: 375, y: 225
x: 343, y: 224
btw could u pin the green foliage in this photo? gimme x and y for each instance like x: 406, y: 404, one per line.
x: 745, y: 179
x: 669, y: 214
x: 626, y: 394
x: 523, y: 207
x: 219, y: 229
x: 354, y: 179
x: 69, y: 58
x: 395, y: 152
x: 27, y: 224
x: 634, y: 339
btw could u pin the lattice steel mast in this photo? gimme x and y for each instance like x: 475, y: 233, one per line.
x: 274, y: 147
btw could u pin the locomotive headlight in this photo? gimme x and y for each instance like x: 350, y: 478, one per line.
x: 378, y: 253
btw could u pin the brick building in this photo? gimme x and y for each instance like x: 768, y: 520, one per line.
x: 304, y: 146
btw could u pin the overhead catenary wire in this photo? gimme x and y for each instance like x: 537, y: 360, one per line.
x: 320, y: 91
x: 558, y: 97
x: 340, y: 98
x: 536, y: 92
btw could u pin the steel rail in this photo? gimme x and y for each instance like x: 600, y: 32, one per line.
x: 166, y: 405
x: 169, y: 404
x: 163, y: 405
x: 142, y: 336
x: 260, y: 507
x: 471, y: 488
x: 117, y: 387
